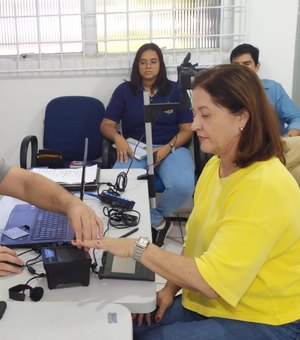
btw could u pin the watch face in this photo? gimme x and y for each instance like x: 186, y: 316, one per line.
x: 143, y: 242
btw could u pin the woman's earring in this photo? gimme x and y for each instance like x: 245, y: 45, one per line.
x: 241, y: 128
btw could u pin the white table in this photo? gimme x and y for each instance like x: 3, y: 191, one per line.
x: 137, y: 296
x: 65, y: 321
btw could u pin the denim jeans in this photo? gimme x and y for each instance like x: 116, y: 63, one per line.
x: 179, y: 323
x: 176, y: 172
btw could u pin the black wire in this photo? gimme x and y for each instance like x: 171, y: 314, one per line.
x: 122, y: 179
x: 147, y: 169
x: 28, y: 262
x: 134, y: 151
x: 27, y: 251
x: 120, y: 218
x: 33, y: 263
x: 36, y: 277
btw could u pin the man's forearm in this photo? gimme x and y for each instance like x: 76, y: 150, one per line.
x: 36, y: 189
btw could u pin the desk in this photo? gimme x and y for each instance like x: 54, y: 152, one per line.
x: 65, y: 321
x: 137, y: 296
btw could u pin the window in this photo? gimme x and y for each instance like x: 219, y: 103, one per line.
x: 39, y: 27
x: 99, y: 36
x: 173, y: 24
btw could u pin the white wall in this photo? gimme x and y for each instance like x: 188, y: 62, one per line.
x: 296, y: 83
x: 271, y: 26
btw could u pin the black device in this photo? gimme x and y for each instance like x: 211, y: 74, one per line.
x: 114, y: 267
x: 66, y: 266
x: 116, y: 201
x: 3, y: 306
x: 186, y: 71
x: 18, y: 292
x: 82, y: 186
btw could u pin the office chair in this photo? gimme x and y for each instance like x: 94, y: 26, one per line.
x: 68, y: 121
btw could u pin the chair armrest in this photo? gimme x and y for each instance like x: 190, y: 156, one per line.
x: 108, y: 154
x: 24, y: 150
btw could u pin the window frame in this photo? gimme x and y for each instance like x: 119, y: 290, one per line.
x: 90, y: 62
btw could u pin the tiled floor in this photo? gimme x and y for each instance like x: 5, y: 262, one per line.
x: 173, y: 243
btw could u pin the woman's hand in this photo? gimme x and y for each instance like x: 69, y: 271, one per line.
x: 161, y: 153
x: 164, y: 298
x: 122, y: 247
x: 7, y: 260
x: 123, y: 149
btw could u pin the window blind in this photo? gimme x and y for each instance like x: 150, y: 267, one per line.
x: 100, y: 36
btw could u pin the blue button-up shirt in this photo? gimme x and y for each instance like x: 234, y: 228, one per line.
x: 288, y: 113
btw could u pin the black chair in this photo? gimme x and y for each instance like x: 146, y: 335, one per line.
x: 68, y: 121
x: 200, y: 157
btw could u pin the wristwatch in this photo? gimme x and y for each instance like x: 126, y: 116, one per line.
x: 140, y: 246
x: 172, y: 146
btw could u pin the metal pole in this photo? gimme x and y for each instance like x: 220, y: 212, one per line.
x: 149, y: 147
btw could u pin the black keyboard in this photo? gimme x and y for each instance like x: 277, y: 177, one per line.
x: 50, y: 226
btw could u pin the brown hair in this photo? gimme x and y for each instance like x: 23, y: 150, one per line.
x: 237, y: 88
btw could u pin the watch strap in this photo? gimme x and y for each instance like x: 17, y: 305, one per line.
x: 139, y: 248
x: 172, y: 146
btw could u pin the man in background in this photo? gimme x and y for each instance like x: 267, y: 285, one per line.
x: 288, y: 113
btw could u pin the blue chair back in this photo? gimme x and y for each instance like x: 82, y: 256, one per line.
x: 68, y: 120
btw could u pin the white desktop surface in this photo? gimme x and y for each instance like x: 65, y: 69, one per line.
x: 65, y: 321
x: 137, y: 296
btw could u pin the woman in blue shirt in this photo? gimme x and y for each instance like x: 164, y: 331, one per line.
x: 171, y: 133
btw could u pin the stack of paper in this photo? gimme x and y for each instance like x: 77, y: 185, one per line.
x: 68, y: 175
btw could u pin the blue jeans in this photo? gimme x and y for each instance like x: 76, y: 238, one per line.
x: 179, y: 323
x: 176, y: 172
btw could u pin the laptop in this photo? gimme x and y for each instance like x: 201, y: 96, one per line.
x: 29, y: 226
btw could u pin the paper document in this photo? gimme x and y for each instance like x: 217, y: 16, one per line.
x: 140, y: 151
x: 69, y: 176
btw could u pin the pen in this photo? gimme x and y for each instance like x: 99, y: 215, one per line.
x: 129, y: 232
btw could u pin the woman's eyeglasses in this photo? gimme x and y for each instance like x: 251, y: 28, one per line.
x: 144, y: 62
